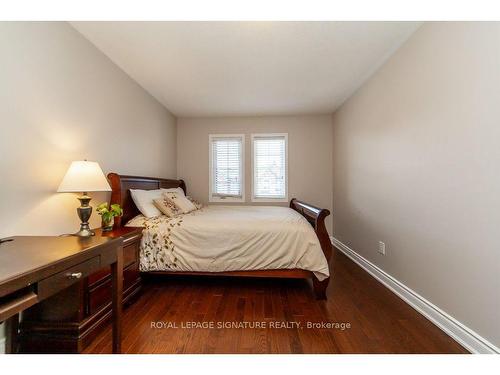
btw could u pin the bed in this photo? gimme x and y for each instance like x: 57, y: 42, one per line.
x: 236, y: 241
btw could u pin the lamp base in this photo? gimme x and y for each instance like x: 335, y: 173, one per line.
x: 84, y: 212
x: 84, y: 231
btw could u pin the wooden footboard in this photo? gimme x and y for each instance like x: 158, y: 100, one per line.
x: 316, y: 217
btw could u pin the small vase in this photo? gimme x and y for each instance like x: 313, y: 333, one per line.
x: 107, y: 225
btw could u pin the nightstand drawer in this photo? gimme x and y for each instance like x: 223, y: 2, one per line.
x: 61, y: 280
x: 101, y: 295
x: 130, y: 255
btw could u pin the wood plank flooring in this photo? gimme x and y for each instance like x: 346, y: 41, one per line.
x: 379, y: 321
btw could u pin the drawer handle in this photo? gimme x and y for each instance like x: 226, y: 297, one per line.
x: 74, y: 275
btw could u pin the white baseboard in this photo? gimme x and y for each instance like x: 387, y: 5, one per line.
x: 452, y: 327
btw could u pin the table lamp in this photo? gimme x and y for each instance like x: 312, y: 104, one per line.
x: 83, y: 177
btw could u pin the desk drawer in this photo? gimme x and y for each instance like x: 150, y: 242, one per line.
x: 62, y: 280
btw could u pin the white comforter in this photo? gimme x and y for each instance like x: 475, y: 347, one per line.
x: 236, y: 238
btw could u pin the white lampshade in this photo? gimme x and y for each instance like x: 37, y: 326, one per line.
x: 84, y: 176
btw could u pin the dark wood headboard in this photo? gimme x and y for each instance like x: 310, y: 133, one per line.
x: 120, y: 192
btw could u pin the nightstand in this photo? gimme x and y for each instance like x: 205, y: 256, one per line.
x: 86, y: 305
x: 98, y: 289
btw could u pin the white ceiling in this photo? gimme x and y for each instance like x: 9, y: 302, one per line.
x: 248, y: 68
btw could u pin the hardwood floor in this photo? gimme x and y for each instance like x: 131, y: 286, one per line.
x: 380, y: 322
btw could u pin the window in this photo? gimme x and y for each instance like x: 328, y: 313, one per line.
x: 270, y: 167
x: 226, y: 168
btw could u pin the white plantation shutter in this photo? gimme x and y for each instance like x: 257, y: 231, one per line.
x: 270, y: 166
x: 226, y: 166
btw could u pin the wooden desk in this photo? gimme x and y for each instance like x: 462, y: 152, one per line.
x: 70, y: 320
x: 33, y: 269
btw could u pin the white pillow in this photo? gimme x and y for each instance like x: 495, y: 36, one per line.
x: 180, y: 200
x: 143, y: 199
x: 173, y: 190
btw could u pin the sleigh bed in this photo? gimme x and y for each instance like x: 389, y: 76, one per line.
x: 121, y: 186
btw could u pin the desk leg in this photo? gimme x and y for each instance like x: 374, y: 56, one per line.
x: 117, y: 279
x: 11, y: 331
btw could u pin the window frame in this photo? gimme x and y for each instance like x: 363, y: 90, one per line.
x: 216, y: 199
x: 267, y: 199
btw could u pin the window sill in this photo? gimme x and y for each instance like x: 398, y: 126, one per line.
x: 270, y: 200
x: 225, y: 200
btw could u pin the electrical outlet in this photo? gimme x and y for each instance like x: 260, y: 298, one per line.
x: 381, y: 247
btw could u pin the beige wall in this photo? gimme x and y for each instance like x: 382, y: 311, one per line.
x: 416, y: 165
x: 63, y: 100
x: 309, y: 153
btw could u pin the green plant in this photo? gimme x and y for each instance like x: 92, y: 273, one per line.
x: 107, y: 212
